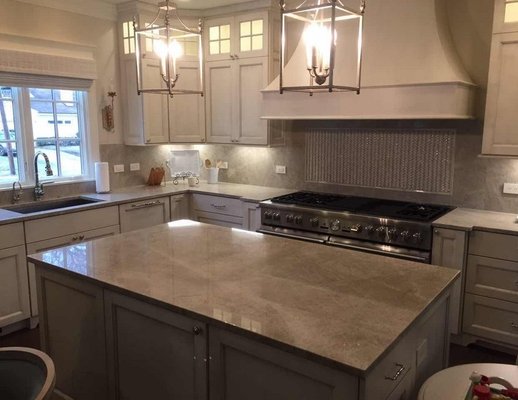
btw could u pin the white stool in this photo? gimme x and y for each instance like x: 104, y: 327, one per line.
x: 453, y: 383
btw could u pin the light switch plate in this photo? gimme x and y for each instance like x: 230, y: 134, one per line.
x: 135, y: 166
x: 280, y: 169
x: 118, y: 168
x: 224, y: 165
x: 511, y: 188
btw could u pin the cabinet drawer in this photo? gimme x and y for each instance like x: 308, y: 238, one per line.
x: 144, y: 214
x: 491, y: 319
x: 391, y: 371
x: 492, y: 278
x: 12, y: 235
x: 494, y: 245
x: 68, y: 224
x: 218, y: 204
x: 219, y: 219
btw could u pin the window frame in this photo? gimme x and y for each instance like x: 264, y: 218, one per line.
x: 25, y: 136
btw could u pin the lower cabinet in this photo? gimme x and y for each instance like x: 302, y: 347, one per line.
x: 144, y: 214
x: 153, y: 353
x: 218, y: 210
x: 14, y: 286
x: 251, y: 216
x: 242, y: 368
x: 180, y: 207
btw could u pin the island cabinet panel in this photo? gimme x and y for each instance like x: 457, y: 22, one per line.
x: 153, y: 353
x: 72, y: 333
x: 242, y: 368
x: 449, y: 250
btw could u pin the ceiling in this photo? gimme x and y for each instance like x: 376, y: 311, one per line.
x: 191, y: 4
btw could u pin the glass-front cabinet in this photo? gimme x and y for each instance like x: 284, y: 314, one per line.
x: 506, y: 16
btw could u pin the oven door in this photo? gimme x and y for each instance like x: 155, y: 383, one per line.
x: 294, y: 234
x: 382, y: 249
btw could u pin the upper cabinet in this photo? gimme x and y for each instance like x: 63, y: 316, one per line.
x: 501, y: 119
x: 242, y: 57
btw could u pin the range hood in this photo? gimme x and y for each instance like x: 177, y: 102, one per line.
x: 411, y: 70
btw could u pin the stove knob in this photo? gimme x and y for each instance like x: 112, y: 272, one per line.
x: 314, y: 222
x: 290, y: 218
x: 381, y: 231
x: 356, y: 228
x: 405, y: 236
x: 298, y: 219
x: 268, y: 215
x: 392, y: 233
x: 417, y: 238
x: 335, y: 225
x: 276, y: 217
x: 369, y: 229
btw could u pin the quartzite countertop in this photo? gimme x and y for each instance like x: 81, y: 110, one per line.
x: 468, y: 219
x: 138, y: 193
x: 346, y: 307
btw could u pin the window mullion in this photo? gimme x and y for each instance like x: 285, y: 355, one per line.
x: 27, y: 135
x: 56, y: 133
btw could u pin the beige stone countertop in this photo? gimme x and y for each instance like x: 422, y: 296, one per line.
x: 339, y: 307
x: 245, y: 192
x: 468, y: 219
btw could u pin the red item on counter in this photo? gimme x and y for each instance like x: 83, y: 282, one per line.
x: 482, y: 392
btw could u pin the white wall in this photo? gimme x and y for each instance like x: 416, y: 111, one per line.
x: 36, y: 22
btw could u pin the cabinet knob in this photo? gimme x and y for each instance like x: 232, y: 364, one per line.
x: 196, y: 330
x: 514, y: 325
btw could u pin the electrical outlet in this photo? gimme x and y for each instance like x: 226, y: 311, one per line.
x: 280, y: 169
x: 223, y: 165
x: 511, y: 188
x: 135, y: 166
x: 118, y: 168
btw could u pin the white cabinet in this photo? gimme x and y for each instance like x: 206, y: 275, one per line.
x: 180, y: 207
x: 144, y: 214
x: 251, y: 216
x: 240, y: 59
x: 501, y: 119
x: 218, y: 210
x: 449, y: 250
x: 14, y: 283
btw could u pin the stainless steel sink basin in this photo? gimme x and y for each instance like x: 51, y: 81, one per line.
x: 30, y: 208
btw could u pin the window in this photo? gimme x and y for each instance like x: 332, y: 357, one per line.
x: 42, y: 120
x: 128, y: 37
x: 251, y: 35
x: 511, y: 11
x: 219, y: 39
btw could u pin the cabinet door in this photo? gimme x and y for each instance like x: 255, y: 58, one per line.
x: 154, y: 106
x: 172, y: 365
x: 144, y: 214
x: 449, y: 250
x: 252, y: 35
x: 240, y: 368
x: 187, y: 112
x: 219, y: 39
x: 54, y: 243
x: 14, y: 286
x: 220, y: 101
x: 180, y: 207
x: 501, y: 121
x: 252, y: 77
x: 72, y: 333
x: 252, y: 216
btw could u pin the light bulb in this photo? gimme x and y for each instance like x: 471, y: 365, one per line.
x: 318, y: 41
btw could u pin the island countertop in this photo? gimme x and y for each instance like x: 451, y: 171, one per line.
x: 344, y: 306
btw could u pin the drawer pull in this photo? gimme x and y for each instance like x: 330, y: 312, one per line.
x: 397, y: 374
x: 514, y: 325
x: 219, y: 207
x: 144, y: 205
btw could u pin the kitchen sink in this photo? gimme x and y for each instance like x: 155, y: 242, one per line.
x: 30, y: 208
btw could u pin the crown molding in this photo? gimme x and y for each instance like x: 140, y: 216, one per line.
x: 91, y: 8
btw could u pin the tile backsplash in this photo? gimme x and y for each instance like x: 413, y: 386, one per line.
x: 457, y: 176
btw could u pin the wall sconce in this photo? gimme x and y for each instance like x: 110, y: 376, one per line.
x: 107, y: 113
x: 159, y: 48
x: 331, y: 36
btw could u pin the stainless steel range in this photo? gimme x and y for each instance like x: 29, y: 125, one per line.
x: 389, y: 227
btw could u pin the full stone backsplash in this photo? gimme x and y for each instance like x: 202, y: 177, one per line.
x: 477, y: 181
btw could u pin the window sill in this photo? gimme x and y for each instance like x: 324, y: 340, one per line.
x: 53, y: 184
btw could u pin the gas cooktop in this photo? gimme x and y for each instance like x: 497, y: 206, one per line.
x: 364, y: 205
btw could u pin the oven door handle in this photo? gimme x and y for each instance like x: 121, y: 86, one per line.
x: 406, y: 256
x: 292, y: 236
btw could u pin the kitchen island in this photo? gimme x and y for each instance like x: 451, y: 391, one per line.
x: 187, y: 310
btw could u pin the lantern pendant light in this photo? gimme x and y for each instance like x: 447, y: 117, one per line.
x: 168, y: 43
x: 332, y: 36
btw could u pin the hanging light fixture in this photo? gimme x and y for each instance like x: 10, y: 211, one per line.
x: 167, y: 44
x: 331, y: 36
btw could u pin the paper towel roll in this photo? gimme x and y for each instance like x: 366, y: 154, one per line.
x: 102, y: 177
